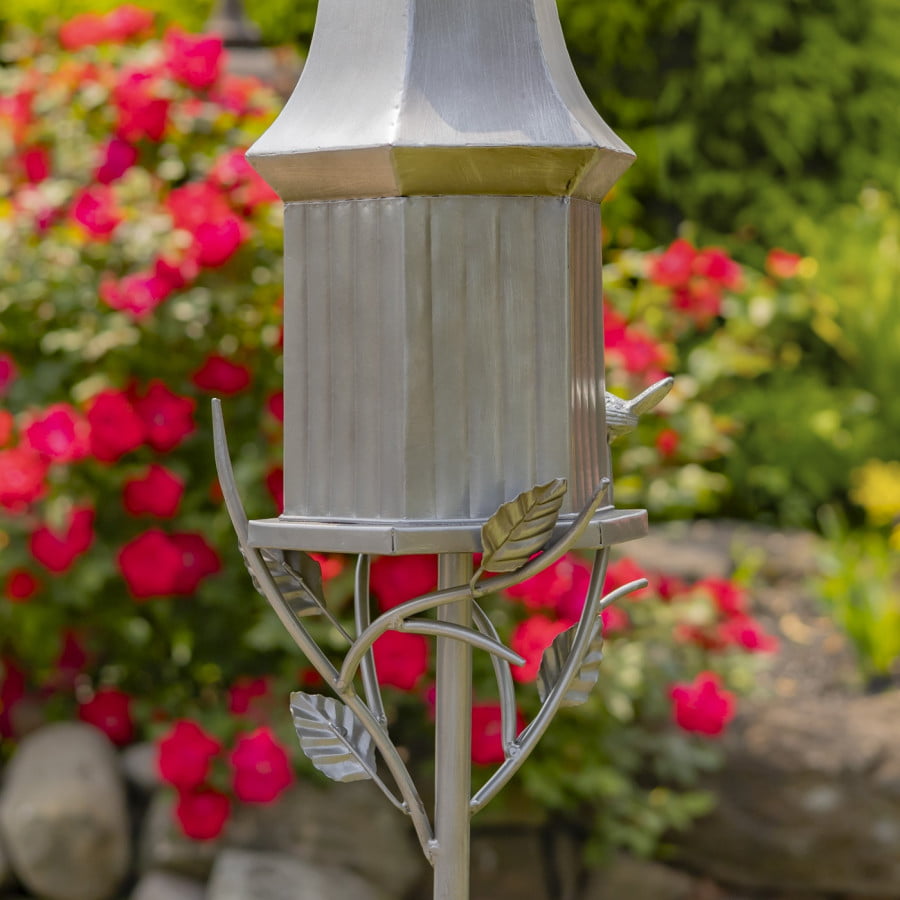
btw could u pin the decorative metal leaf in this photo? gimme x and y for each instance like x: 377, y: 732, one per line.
x: 302, y: 597
x: 521, y: 527
x: 555, y: 658
x: 332, y: 737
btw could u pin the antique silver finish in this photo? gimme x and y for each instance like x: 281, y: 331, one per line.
x: 439, y: 97
x: 341, y: 736
x: 442, y: 171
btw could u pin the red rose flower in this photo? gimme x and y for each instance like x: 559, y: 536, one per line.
x: 96, y: 212
x: 547, y: 588
x: 142, y: 111
x: 730, y: 599
x: 8, y: 372
x: 401, y: 659
x: 246, y: 188
x: 185, y: 755
x: 781, y: 264
x: 59, y: 433
x: 487, y: 742
x: 116, y: 428
x: 110, y: 711
x: 219, y: 375
x: 275, y: 405
x: 198, y: 561
x: 70, y: 662
x: 332, y: 565
x: 717, y: 266
x: 262, y: 770
x: 84, y: 30
x: 55, y: 551
x: 216, y: 242
x: 167, y: 418
x: 530, y: 639
x: 157, y: 493
x: 667, y: 442
x: 36, y: 163
x: 21, y: 586
x: 243, y: 692
x: 22, y: 474
x: 701, y: 301
x: 703, y: 706
x: 195, y: 203
x: 127, y: 21
x: 621, y: 573
x: 742, y: 631
x: 275, y: 487
x: 615, y: 620
x: 673, y: 267
x: 12, y: 690
x: 118, y: 157
x: 639, y: 353
x: 151, y: 565
x: 193, y: 59
x: 138, y: 294
x: 396, y: 579
x: 7, y: 426
x: 202, y: 814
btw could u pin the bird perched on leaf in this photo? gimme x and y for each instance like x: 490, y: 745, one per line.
x: 622, y: 415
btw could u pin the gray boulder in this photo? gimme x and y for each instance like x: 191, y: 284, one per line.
x: 167, y: 886
x: 348, y: 826
x: 242, y: 874
x: 63, y: 817
x: 809, y: 800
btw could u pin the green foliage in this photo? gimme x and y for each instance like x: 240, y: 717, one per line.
x: 745, y: 115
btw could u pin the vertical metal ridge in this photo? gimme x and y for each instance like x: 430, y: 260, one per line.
x: 588, y: 455
x: 485, y: 349
x: 554, y: 351
x: 419, y: 437
x: 519, y: 333
x: 393, y: 395
x: 342, y: 358
x: 369, y: 278
x: 447, y: 286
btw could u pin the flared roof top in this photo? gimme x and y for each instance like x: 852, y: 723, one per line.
x: 413, y: 97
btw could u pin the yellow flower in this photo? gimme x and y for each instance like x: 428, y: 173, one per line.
x: 876, y: 488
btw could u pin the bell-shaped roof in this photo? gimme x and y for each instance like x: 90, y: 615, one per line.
x: 406, y: 97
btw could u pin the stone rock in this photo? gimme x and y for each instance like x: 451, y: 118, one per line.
x: 507, y: 862
x: 809, y: 800
x: 161, y: 844
x: 710, y: 547
x: 242, y: 874
x: 168, y: 886
x: 627, y: 877
x: 350, y: 826
x: 139, y: 766
x: 63, y: 816
x: 6, y: 875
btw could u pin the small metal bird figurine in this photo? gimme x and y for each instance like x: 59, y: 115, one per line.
x: 622, y: 415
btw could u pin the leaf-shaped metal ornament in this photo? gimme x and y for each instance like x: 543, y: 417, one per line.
x: 555, y: 658
x: 332, y: 737
x: 521, y: 527
x: 297, y: 593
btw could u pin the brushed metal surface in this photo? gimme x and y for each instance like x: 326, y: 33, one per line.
x: 441, y: 355
x: 608, y: 527
x: 417, y: 97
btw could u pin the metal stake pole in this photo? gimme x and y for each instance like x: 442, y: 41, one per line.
x: 453, y: 739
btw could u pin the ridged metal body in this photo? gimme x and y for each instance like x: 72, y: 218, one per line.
x: 441, y: 355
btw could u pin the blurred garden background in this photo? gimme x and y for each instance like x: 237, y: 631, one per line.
x: 753, y: 251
